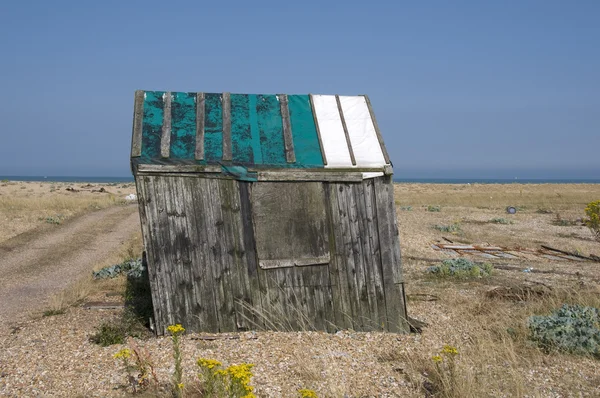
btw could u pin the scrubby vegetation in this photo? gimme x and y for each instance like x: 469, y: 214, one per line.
x: 461, y: 268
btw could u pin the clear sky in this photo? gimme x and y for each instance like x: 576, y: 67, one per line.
x: 493, y: 89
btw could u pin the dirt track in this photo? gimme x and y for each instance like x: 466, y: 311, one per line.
x: 35, y: 265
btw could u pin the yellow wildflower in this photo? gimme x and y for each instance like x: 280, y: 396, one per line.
x: 180, y: 386
x: 249, y: 395
x: 437, y: 358
x: 449, y: 350
x: 208, y: 363
x: 176, y: 329
x: 124, y: 353
x: 306, y: 393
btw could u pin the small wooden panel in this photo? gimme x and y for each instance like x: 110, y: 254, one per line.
x: 165, y: 139
x: 199, y: 153
x: 227, y: 155
x: 343, y: 119
x: 290, y: 156
x: 138, y: 121
x: 379, y: 137
x: 290, y: 222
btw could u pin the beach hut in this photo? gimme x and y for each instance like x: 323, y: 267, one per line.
x: 267, y: 211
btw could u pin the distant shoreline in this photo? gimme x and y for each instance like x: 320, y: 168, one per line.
x: 397, y: 180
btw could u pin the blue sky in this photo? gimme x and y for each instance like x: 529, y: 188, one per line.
x: 492, y: 89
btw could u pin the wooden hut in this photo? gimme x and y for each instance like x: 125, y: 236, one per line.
x: 267, y: 211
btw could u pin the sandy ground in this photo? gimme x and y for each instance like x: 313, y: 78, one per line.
x: 52, y: 356
x: 37, y: 264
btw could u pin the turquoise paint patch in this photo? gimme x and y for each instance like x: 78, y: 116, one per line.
x: 304, y: 133
x: 270, y: 127
x: 254, y: 132
x: 183, y: 126
x: 213, y: 128
x: 152, y: 125
x: 241, y: 134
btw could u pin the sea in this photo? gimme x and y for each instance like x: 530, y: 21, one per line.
x: 81, y: 179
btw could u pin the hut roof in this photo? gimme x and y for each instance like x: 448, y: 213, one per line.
x: 326, y: 132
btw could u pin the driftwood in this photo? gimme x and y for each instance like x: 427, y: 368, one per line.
x: 590, y: 258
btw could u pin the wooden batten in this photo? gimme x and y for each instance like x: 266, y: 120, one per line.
x: 376, y: 126
x: 199, y: 152
x: 138, y: 121
x: 343, y: 119
x: 301, y: 175
x: 178, y: 168
x: 226, y: 101
x: 165, y: 139
x: 290, y: 156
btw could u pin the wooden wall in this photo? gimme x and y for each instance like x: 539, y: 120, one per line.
x: 204, y: 272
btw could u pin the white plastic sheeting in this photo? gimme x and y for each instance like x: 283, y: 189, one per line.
x: 361, y: 131
x: 332, y: 131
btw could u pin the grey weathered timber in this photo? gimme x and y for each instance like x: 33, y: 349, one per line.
x: 138, y: 119
x: 376, y: 126
x: 343, y: 119
x: 390, y: 255
x: 165, y: 139
x: 205, y: 239
x: 303, y: 175
x: 199, y: 152
x: 178, y: 168
x: 227, y: 155
x: 312, y: 106
x: 290, y: 156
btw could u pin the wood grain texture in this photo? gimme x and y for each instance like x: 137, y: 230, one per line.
x: 178, y: 168
x: 376, y: 126
x: 200, y: 111
x: 290, y: 156
x: 227, y: 155
x: 304, y: 175
x: 343, y: 119
x: 138, y: 121
x: 312, y: 107
x: 165, y: 139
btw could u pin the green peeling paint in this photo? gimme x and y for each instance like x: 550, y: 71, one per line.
x: 270, y: 127
x: 241, y: 135
x: 152, y: 125
x: 304, y: 132
x: 213, y: 128
x: 254, y: 132
x: 183, y: 125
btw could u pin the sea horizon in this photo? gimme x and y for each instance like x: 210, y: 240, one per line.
x: 406, y: 180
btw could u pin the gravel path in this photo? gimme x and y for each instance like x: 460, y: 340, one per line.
x: 35, y: 266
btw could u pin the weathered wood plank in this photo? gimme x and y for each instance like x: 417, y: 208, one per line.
x: 376, y: 126
x: 138, y: 121
x: 178, y: 168
x: 390, y: 255
x: 251, y: 259
x: 227, y: 155
x: 312, y: 107
x: 303, y: 175
x: 199, y: 152
x: 343, y: 119
x: 347, y: 268
x: 376, y: 276
x: 290, y: 156
x: 165, y: 139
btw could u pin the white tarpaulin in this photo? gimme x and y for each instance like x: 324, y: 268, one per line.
x: 361, y: 131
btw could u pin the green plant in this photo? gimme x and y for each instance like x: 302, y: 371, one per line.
x: 306, y: 393
x: 592, y: 210
x: 461, y: 268
x: 54, y: 311
x: 406, y: 208
x: 117, y: 330
x: 434, y: 208
x: 57, y: 219
x: 500, y: 220
x: 561, y: 222
x: 176, y: 332
x: 448, y: 228
x: 570, y: 328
